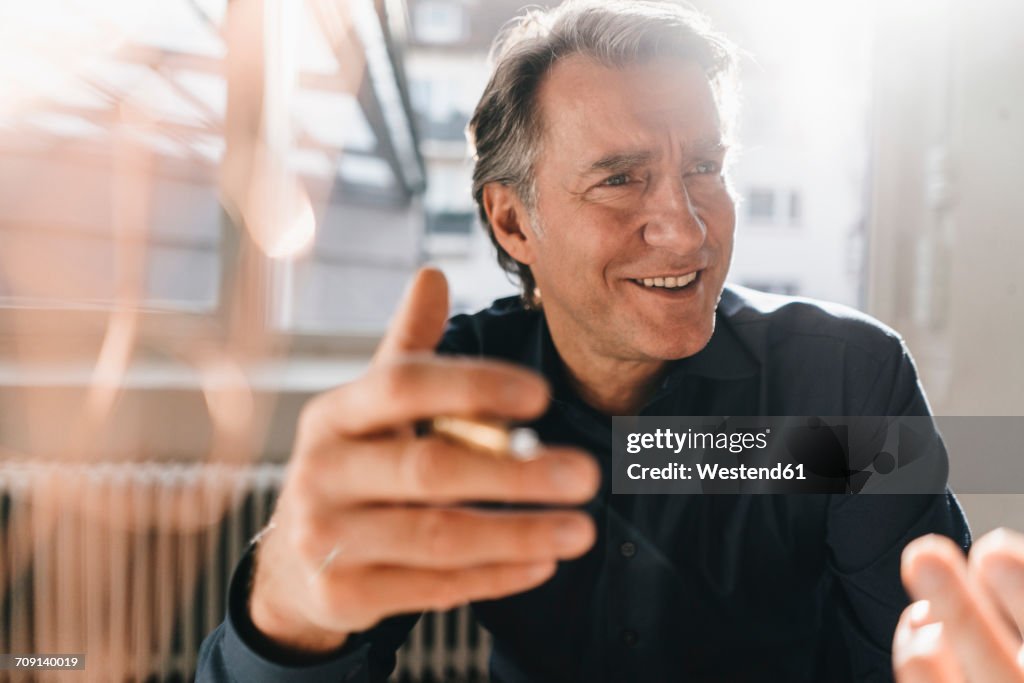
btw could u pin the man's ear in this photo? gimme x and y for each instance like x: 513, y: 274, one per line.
x: 509, y: 221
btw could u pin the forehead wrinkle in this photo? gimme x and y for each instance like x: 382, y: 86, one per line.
x: 710, y: 142
x: 681, y: 125
x: 624, y: 160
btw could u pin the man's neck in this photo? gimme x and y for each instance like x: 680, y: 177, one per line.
x: 613, y: 386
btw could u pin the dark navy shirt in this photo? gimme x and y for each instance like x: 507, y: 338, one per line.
x: 687, y: 587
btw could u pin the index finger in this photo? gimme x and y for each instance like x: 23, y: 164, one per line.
x: 414, y: 388
x: 419, y: 321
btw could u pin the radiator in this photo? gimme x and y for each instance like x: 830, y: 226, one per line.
x: 129, y: 563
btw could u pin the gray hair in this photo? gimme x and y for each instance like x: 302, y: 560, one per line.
x: 506, y: 129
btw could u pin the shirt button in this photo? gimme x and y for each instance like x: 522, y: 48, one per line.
x: 628, y: 549
x: 629, y: 637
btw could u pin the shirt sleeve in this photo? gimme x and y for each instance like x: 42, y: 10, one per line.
x: 867, y: 534
x: 237, y: 652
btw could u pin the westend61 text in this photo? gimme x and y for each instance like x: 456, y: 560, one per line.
x: 716, y: 472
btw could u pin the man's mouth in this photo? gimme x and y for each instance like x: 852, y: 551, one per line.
x: 667, y: 282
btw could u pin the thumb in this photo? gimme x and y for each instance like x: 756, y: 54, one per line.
x: 419, y: 321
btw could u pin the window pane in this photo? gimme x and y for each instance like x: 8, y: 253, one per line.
x: 761, y: 204
x: 450, y: 222
x: 795, y: 208
x: 108, y: 161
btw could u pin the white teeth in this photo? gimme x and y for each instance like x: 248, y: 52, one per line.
x: 669, y: 282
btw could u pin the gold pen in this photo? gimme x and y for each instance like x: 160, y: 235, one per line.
x: 489, y: 436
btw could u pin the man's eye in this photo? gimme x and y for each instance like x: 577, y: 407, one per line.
x: 616, y: 180
x: 708, y: 167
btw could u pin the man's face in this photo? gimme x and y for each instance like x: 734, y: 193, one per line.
x: 630, y: 190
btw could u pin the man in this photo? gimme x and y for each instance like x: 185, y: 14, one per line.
x: 601, y: 142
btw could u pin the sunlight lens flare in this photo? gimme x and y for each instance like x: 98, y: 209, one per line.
x: 46, y: 44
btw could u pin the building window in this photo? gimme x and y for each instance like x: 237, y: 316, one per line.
x: 439, y: 110
x: 761, y: 205
x: 136, y: 140
x: 439, y: 23
x: 449, y: 222
x: 795, y: 208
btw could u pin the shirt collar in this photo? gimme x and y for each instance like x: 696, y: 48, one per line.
x: 540, y: 354
x: 725, y: 357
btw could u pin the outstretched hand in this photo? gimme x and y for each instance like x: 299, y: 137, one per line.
x: 372, y: 519
x: 968, y: 617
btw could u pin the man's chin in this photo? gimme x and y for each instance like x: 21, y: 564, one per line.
x: 662, y: 346
x: 667, y: 335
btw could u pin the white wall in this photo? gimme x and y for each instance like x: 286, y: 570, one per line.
x: 946, y: 237
x: 802, y: 128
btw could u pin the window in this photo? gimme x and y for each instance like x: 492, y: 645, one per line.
x: 795, y: 208
x: 441, y: 105
x: 108, y: 165
x: 118, y: 154
x: 439, y: 22
x: 450, y: 222
x: 761, y: 205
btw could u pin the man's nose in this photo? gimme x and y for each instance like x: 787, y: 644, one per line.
x: 674, y: 223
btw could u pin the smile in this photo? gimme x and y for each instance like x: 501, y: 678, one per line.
x: 672, y: 282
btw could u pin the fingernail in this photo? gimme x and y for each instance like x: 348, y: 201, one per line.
x: 928, y: 638
x: 570, y: 534
x: 920, y: 613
